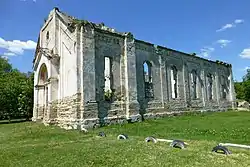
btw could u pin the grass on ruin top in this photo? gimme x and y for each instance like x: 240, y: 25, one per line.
x: 33, y: 144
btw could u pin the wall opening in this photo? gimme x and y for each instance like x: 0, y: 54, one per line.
x: 174, y: 82
x: 42, y: 99
x: 43, y: 75
x: 47, y: 35
x: 194, y: 87
x: 223, y: 88
x: 108, y: 78
x: 210, y: 86
x: 148, y: 80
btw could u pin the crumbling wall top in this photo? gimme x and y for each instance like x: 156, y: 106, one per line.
x: 74, y: 22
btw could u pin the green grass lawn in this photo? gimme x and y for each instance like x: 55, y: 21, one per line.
x: 33, y: 144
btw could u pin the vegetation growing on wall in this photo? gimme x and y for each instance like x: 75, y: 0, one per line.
x: 16, y: 92
x: 108, y: 95
x: 223, y: 63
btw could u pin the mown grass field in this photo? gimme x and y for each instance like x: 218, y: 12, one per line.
x: 33, y: 144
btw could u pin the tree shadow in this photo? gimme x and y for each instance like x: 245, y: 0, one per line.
x: 14, y: 121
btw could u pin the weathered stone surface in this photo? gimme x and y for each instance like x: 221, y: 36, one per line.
x: 243, y: 104
x: 73, y: 95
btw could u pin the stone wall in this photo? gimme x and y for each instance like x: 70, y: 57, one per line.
x: 79, y: 81
x: 71, y: 113
x: 68, y: 110
x: 162, y: 59
x: 82, y: 112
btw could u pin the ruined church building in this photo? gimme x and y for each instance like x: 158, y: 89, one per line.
x: 87, y: 75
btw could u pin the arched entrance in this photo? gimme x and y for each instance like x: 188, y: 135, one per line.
x: 43, y: 75
x: 42, y: 99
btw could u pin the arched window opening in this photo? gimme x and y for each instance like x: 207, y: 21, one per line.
x: 174, y: 82
x: 108, y: 78
x: 223, y: 88
x: 194, y: 88
x: 210, y: 86
x: 107, y: 73
x: 148, y: 82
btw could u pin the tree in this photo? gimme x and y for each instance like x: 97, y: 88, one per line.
x: 16, y: 92
x: 246, y: 87
x: 25, y: 98
x: 239, y: 89
x: 242, y: 89
x: 246, y: 77
x: 4, y: 66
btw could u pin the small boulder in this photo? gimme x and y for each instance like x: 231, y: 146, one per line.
x: 243, y: 104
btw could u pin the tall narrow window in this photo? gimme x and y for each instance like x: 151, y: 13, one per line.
x: 223, y: 88
x: 148, y: 82
x: 47, y: 35
x: 174, y: 81
x: 107, y: 74
x: 210, y: 86
x: 194, y: 79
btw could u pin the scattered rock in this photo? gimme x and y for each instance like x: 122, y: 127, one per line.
x: 243, y: 104
x: 102, y: 134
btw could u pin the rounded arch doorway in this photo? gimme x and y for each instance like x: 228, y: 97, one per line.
x: 42, y: 83
x: 42, y: 75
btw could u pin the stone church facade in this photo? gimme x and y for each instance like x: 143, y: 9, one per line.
x: 87, y: 75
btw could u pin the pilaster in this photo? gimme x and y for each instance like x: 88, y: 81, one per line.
x: 217, y: 82
x: 163, y: 79
x: 35, y: 105
x: 203, y: 87
x: 232, y: 90
x: 89, y: 63
x: 131, y: 102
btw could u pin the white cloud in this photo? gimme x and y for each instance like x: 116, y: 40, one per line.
x: 17, y: 47
x: 245, y: 54
x: 223, y: 42
x: 227, y: 26
x: 5, y: 57
x: 9, y: 54
x: 238, y: 21
x: 246, y: 68
x: 230, y: 25
x: 206, y: 51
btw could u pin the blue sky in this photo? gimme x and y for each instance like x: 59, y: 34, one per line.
x: 214, y: 29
